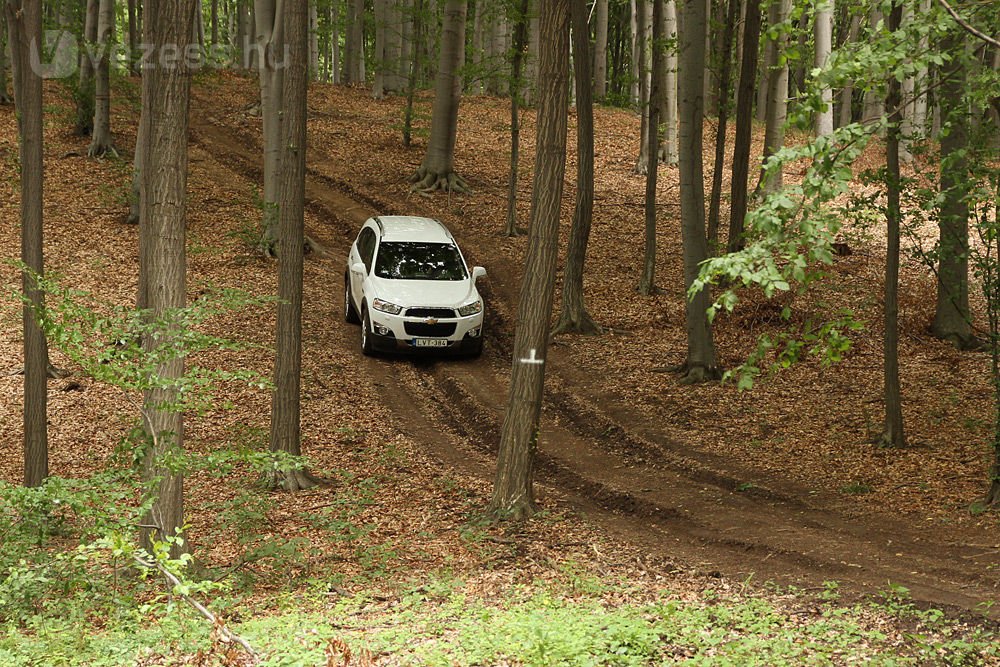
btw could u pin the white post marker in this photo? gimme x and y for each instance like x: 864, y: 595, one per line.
x: 532, y: 359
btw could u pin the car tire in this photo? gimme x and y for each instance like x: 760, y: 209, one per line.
x: 477, y: 349
x: 367, y: 344
x: 350, y: 314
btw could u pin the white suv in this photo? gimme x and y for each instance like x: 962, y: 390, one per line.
x: 409, y: 287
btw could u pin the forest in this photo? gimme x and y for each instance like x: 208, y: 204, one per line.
x: 739, y: 395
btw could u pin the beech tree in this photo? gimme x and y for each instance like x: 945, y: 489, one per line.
x: 24, y: 25
x: 668, y: 90
x: 517, y: 84
x: 823, y: 31
x: 85, y: 84
x: 437, y: 171
x: 100, y: 138
x: 722, y: 115
x: 573, y: 316
x: 5, y: 97
x: 166, y: 87
x: 270, y: 39
x: 513, y: 495
x: 777, y: 92
x: 647, y: 282
x: 285, y: 433
x: 744, y: 125
x: 600, y: 49
x: 700, y: 364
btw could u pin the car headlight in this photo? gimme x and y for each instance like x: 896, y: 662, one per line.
x: 386, y: 307
x: 471, y: 308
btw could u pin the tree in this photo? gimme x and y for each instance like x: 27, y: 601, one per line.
x: 166, y: 87
x: 100, y: 139
x: 24, y: 25
x: 952, y: 319
x: 647, y: 282
x: 573, y: 317
x: 600, y: 49
x: 722, y: 115
x: 5, y: 97
x: 777, y: 93
x: 700, y: 363
x: 744, y: 125
x: 437, y: 171
x: 285, y: 413
x: 85, y: 85
x: 354, y: 43
x: 668, y: 148
x: 644, y: 10
x: 892, y: 433
x: 823, y: 31
x: 517, y: 84
x: 269, y: 34
x: 513, y: 495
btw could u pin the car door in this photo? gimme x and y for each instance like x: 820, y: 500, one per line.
x: 365, y: 251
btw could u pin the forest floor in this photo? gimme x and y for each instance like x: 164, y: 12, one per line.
x: 641, y: 478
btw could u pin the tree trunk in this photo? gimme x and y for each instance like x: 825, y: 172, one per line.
x: 769, y: 61
x: 823, y: 31
x: 133, y: 36
x: 354, y: 46
x: 892, y: 433
x: 744, y: 126
x: 517, y: 57
x: 952, y: 319
x: 100, y: 141
x: 5, y: 97
x: 874, y: 103
x: 647, y: 283
x: 437, y: 171
x: 777, y: 99
x: 600, y: 50
x: 847, y: 93
x: 725, y: 73
x: 314, y: 69
x: 335, y: 42
x: 215, y: 21
x: 643, y: 11
x: 919, y: 120
x: 574, y: 317
x: 700, y: 364
x: 513, y: 495
x: 668, y: 148
x: 531, y: 62
x: 85, y: 86
x: 134, y: 204
x: 381, y: 61
x: 166, y: 95
x: 270, y: 47
x: 411, y: 84
x: 24, y: 26
x: 636, y: 68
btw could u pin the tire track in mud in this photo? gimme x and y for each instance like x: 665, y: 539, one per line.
x: 627, y: 477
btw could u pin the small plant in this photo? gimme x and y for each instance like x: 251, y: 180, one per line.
x: 856, y: 488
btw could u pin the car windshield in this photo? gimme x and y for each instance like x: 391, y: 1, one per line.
x: 410, y: 260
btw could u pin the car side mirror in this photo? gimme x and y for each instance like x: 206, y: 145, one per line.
x: 478, y: 272
x: 359, y: 267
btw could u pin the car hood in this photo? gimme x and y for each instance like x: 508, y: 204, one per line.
x: 443, y: 293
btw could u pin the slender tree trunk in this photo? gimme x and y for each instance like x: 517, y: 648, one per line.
x: 133, y: 37
x: 643, y: 11
x: 134, y: 204
x: 769, y: 62
x: 668, y: 148
x: 411, y: 85
x: 919, y: 121
x: 166, y: 95
x: 991, y: 288
x: 100, y: 142
x: 437, y: 171
x: 892, y: 433
x: 847, y: 92
x: 601, y: 50
x: 574, y: 317
x: 700, y: 364
x: 531, y: 62
x: 725, y: 73
x: 354, y: 62
x: 874, y: 103
x: 5, y: 97
x: 777, y: 99
x: 647, y: 283
x: 24, y: 26
x: 85, y: 87
x: 215, y: 21
x: 520, y: 39
x: 513, y: 495
x: 744, y: 126
x: 952, y: 319
x: 636, y: 32
x: 270, y: 47
x: 823, y: 31
x: 335, y: 58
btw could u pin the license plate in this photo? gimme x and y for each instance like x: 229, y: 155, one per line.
x: 430, y: 342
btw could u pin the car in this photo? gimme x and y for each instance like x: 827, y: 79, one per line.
x: 408, y: 286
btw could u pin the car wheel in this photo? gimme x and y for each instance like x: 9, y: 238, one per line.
x: 477, y: 349
x: 350, y: 314
x: 367, y: 345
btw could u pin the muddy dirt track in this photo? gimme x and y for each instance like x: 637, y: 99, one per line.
x: 625, y: 476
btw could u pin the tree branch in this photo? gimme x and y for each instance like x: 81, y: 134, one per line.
x: 969, y: 28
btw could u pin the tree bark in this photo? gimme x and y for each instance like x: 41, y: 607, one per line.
x: 636, y: 59
x: 823, y: 31
x: 271, y: 49
x: 573, y: 317
x: 166, y: 96
x: 101, y: 143
x: 847, y: 92
x: 647, y: 282
x: 416, y: 29
x: 600, y: 50
x: 354, y: 46
x: 285, y: 410
x: 24, y: 25
x: 133, y: 36
x: 517, y: 58
x: 725, y: 73
x: 5, y: 97
x: 744, y: 126
x: 643, y: 12
x: 381, y: 53
x: 513, y: 495
x: 777, y: 99
x: 952, y: 319
x: 437, y: 170
x: 668, y: 148
x: 85, y: 86
x: 700, y: 365
x: 892, y: 432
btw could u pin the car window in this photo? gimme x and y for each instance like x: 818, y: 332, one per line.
x: 366, y: 246
x: 411, y: 260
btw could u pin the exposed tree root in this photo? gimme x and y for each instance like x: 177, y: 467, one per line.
x: 292, y: 480
x: 426, y: 180
x: 699, y: 374
x: 890, y: 440
x: 518, y: 510
x: 993, y: 495
x: 99, y: 150
x: 577, y: 322
x: 964, y: 341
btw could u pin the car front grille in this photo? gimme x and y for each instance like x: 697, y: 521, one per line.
x: 425, y: 329
x: 440, y: 313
